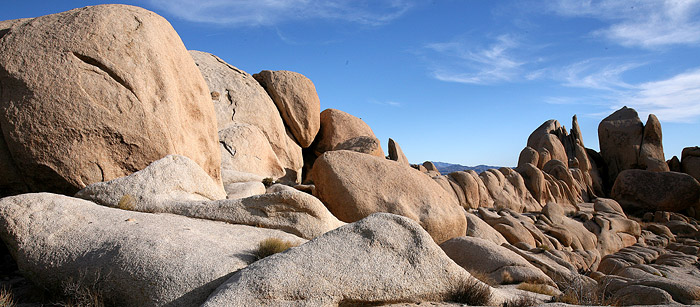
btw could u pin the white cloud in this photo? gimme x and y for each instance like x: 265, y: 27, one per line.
x: 272, y: 12
x: 390, y: 103
x: 640, y: 23
x: 676, y: 99
x: 597, y: 74
x: 485, y: 65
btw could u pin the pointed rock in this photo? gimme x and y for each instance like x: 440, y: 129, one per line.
x: 338, y: 127
x: 396, y: 154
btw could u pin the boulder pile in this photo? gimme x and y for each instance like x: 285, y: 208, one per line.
x: 157, y: 176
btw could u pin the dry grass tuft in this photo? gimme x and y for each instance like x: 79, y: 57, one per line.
x: 271, y: 246
x: 127, y: 202
x: 82, y: 292
x: 522, y: 301
x: 6, y: 298
x: 536, y: 288
x: 581, y: 293
x: 471, y: 292
x: 485, y: 278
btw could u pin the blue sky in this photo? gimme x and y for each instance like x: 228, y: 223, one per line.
x: 456, y: 80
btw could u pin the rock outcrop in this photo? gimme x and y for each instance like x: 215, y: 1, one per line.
x: 76, y: 111
x: 627, y: 144
x: 355, y: 185
x: 239, y: 99
x: 244, y: 148
x: 338, y: 127
x: 380, y: 259
x: 135, y: 259
x: 296, y: 99
x: 396, y: 154
x: 640, y: 190
x: 690, y: 162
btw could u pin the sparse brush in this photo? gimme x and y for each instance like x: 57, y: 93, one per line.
x: 6, y: 298
x: 126, y: 202
x: 81, y: 293
x: 582, y: 293
x: 471, y: 292
x: 537, y: 288
x: 271, y: 246
x: 268, y: 182
x: 485, y: 278
x: 522, y: 301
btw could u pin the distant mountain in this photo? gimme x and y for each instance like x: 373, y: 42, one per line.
x: 446, y: 168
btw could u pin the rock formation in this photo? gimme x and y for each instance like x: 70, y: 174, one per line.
x: 76, y: 111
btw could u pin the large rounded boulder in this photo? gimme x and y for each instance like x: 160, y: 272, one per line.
x: 338, y: 127
x: 354, y: 185
x: 97, y: 93
x: 655, y: 191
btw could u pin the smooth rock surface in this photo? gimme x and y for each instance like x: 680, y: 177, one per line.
x: 382, y: 258
x: 350, y: 186
x: 141, y: 259
x: 244, y: 148
x: 396, y: 154
x: 75, y: 111
x: 338, y: 127
x: 656, y: 191
x: 297, y: 101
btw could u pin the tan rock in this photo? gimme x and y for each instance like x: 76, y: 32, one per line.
x: 296, y: 99
x: 651, y: 154
x: 652, y: 191
x: 239, y: 98
x: 338, y: 127
x: 620, y: 136
x: 380, y: 259
x: 362, y: 144
x: 244, y: 189
x: 477, y: 228
x: 396, y: 154
x: 135, y: 259
x: 469, y: 186
x: 528, y: 155
x: 482, y: 257
x: 244, y: 148
x: 348, y: 183
x: 507, y: 189
x: 690, y: 161
x: 137, y: 92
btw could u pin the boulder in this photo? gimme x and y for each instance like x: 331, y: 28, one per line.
x: 651, y: 153
x: 239, y: 98
x: 382, y: 258
x: 338, y: 127
x: 396, y: 154
x: 170, y: 179
x: 136, y: 259
x: 244, y: 189
x: 690, y: 161
x: 508, y: 190
x: 296, y: 99
x: 620, y: 136
x: 244, y: 148
x: 674, y: 165
x: 652, y: 191
x: 362, y: 144
x: 476, y: 227
x: 355, y: 185
x: 483, y: 257
x: 471, y: 187
x: 76, y: 111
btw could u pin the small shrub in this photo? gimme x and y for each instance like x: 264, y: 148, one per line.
x: 537, y: 288
x: 268, y: 182
x: 82, y: 292
x: 6, y: 298
x: 271, y: 246
x: 471, y: 292
x: 522, y: 301
x: 485, y: 278
x: 583, y: 293
x: 127, y: 202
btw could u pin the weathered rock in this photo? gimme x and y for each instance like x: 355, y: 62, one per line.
x: 651, y: 153
x: 338, y: 127
x: 507, y: 189
x: 396, y: 154
x: 382, y: 258
x: 484, y: 257
x: 652, y: 191
x: 244, y: 189
x: 170, y: 179
x: 244, y: 148
x: 674, y: 165
x: 431, y: 169
x: 620, y: 136
x: 296, y: 99
x: 469, y: 187
x: 292, y: 211
x: 643, y: 295
x: 690, y: 161
x: 362, y: 144
x: 528, y: 155
x: 239, y: 98
x: 349, y: 184
x: 138, y: 259
x: 477, y: 228
x: 76, y: 111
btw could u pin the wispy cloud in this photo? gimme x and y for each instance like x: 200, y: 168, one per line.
x: 640, y: 23
x: 390, y: 103
x: 676, y: 99
x: 491, y: 64
x: 599, y: 74
x: 241, y: 13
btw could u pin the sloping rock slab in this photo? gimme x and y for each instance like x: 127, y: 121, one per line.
x: 141, y: 259
x: 382, y: 258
